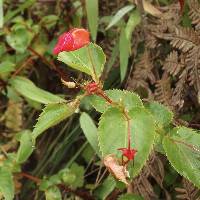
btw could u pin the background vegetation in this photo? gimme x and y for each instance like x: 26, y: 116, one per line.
x: 152, y: 49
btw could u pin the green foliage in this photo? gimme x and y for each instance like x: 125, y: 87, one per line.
x: 10, y: 14
x: 105, y: 188
x: 120, y: 13
x: 90, y: 131
x: 161, y: 113
x: 52, y: 114
x: 49, y: 21
x: 113, y: 134
x: 53, y: 193
x: 6, y: 183
x: 6, y: 67
x: 130, y: 197
x: 77, y: 172
x: 182, y: 147
x: 28, y: 89
x: 72, y: 177
x: 133, y: 21
x: 26, y: 146
x: 1, y: 13
x: 92, y: 10
x: 89, y: 59
x: 127, y: 99
x: 21, y: 35
x: 123, y: 53
x: 29, y: 30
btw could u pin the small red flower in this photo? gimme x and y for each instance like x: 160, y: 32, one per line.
x: 129, y: 153
x: 92, y: 88
x: 72, y: 40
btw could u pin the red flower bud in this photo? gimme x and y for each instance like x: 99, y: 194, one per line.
x: 129, y: 153
x: 72, y: 40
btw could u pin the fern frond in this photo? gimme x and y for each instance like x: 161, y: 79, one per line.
x: 172, y: 64
x: 142, y: 74
x: 193, y: 66
x: 188, y: 191
x: 154, y: 169
x: 185, y: 39
x: 178, y: 92
x: 163, y: 92
x: 195, y: 13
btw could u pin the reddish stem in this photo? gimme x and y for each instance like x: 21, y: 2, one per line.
x: 102, y: 94
x: 32, y: 178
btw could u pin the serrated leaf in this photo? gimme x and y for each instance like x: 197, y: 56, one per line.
x: 89, y: 59
x: 6, y: 183
x: 120, y: 13
x: 124, y: 44
x: 161, y: 113
x: 126, y: 98
x: 92, y: 10
x: 51, y: 115
x: 112, y: 134
x: 183, y: 151
x: 90, y: 131
x: 53, y: 193
x: 26, y: 146
x: 105, y: 188
x: 28, y: 89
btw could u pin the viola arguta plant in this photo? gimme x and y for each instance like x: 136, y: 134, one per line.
x: 128, y: 130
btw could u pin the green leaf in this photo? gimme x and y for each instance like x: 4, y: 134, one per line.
x: 90, y: 131
x: 28, y: 89
x: 92, y: 10
x: 49, y: 21
x: 1, y: 13
x: 161, y: 113
x: 113, y: 134
x: 124, y: 44
x: 130, y: 197
x: 19, y: 39
x: 73, y: 176
x: 26, y: 146
x: 105, y: 188
x: 120, y: 13
x: 52, y: 114
x: 6, y: 67
x: 53, y: 193
x: 89, y: 59
x: 183, y: 151
x: 126, y: 98
x: 10, y: 13
x: 6, y: 183
x: 133, y: 21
